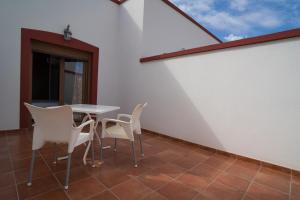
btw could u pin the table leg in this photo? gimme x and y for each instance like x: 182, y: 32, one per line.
x: 98, y: 137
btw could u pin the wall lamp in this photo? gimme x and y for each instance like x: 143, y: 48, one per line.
x: 67, y: 33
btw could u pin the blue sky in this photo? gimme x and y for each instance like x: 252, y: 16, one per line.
x: 237, y: 19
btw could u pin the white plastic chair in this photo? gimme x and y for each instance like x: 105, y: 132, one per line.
x: 56, y: 125
x: 124, y: 129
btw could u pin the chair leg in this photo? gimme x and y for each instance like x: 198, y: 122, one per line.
x: 101, y: 149
x: 68, y: 171
x: 133, y: 153
x: 29, y: 183
x: 115, y: 148
x: 141, y: 145
x: 55, y: 154
x: 93, y: 153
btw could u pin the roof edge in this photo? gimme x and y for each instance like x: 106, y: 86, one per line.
x: 243, y: 42
x: 119, y: 2
x: 172, y: 5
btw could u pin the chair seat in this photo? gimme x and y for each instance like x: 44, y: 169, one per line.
x: 82, y: 138
x: 116, y: 131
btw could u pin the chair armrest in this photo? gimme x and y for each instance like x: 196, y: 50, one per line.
x: 90, y: 122
x: 124, y: 115
x: 127, y: 126
x: 76, y: 131
x: 120, y: 122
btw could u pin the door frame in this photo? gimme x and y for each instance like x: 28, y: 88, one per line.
x: 27, y: 35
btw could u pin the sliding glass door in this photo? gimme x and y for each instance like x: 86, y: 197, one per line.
x: 58, y: 80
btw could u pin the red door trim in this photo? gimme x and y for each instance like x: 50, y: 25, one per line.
x: 56, y: 39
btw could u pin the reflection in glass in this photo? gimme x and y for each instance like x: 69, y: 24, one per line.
x: 73, y: 85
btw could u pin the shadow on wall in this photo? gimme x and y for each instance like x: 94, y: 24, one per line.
x: 170, y: 110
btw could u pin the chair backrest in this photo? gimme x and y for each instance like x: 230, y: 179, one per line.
x: 51, y: 124
x: 136, y: 115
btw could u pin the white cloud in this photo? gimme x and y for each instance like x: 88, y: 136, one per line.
x: 239, y: 5
x: 195, y: 6
x: 264, y: 18
x: 223, y: 21
x: 241, y: 23
x: 232, y: 37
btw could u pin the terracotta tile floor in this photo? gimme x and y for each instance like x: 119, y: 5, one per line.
x: 169, y: 170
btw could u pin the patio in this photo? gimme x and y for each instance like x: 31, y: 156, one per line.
x: 223, y: 116
x: 171, y: 169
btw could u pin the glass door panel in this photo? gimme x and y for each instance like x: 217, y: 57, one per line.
x: 45, y: 80
x: 73, y: 81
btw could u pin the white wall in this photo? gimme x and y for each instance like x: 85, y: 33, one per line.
x: 94, y: 21
x: 166, y: 30
x: 243, y: 100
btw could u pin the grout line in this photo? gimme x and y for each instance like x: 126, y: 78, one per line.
x: 136, y: 178
x: 251, y: 182
x: 12, y: 165
x: 272, y: 188
x: 40, y: 194
x: 107, y: 188
x: 152, y: 190
x: 222, y: 171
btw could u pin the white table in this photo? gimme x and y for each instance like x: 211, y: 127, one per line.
x: 93, y: 110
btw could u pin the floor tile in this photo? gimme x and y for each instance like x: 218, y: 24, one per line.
x: 169, y: 155
x: 85, y: 188
x: 171, y: 170
x: 38, y: 186
x: 76, y: 174
x: 6, y: 179
x: 154, y: 196
x: 23, y: 155
x: 296, y: 179
x: 190, y: 159
x: 233, y: 181
x: 154, y: 179
x: 261, y: 192
x: 274, y: 178
x: 295, y: 191
x: 204, y: 152
x: 21, y: 175
x: 243, y: 169
x: 106, y: 195
x: 247, y: 197
x: 137, y: 191
x: 57, y: 194
x: 5, y: 165
x: 200, y: 177
x: 218, y: 190
x: 25, y: 163
x: 220, y: 161
x: 175, y: 190
x: 8, y: 193
x: 111, y: 176
x: 152, y: 162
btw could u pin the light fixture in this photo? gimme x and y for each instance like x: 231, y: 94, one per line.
x: 67, y: 33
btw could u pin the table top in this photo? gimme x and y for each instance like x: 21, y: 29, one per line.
x: 93, y: 109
